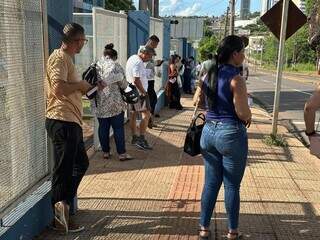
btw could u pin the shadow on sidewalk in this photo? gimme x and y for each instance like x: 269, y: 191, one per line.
x: 177, y: 220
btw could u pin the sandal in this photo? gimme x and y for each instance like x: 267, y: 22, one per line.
x: 125, y: 157
x: 106, y: 155
x: 234, y: 236
x: 204, y: 234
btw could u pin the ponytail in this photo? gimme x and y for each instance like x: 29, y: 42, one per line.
x: 212, y: 78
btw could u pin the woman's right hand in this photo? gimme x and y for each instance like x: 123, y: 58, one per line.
x: 248, y: 123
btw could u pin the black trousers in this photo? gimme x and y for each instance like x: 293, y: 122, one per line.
x: 70, y: 159
x: 152, y: 96
x: 175, y: 95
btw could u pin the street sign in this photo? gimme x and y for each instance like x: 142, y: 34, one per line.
x: 272, y: 19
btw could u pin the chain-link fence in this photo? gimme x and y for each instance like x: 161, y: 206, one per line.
x: 23, y: 152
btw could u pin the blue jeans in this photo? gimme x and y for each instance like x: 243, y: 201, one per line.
x: 224, y: 148
x: 117, y: 124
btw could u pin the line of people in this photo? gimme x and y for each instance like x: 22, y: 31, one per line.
x: 64, y: 112
x: 224, y: 141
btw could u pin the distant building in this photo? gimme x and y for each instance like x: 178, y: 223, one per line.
x: 265, y: 6
x: 191, y: 28
x: 256, y: 43
x: 87, y: 5
x: 244, y: 9
x: 244, y: 23
x: 301, y: 4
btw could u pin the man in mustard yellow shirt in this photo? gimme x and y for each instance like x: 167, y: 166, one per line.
x: 63, y: 124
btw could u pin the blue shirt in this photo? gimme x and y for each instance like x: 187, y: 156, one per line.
x: 223, y: 109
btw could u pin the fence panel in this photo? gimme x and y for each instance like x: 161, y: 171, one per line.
x: 101, y: 27
x: 85, y: 57
x: 23, y: 151
x: 110, y: 27
x: 156, y: 28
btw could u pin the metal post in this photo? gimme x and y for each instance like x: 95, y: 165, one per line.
x: 232, y: 3
x: 261, y: 51
x: 284, y: 19
x: 226, y: 23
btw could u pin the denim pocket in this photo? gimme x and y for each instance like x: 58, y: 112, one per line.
x: 231, y: 140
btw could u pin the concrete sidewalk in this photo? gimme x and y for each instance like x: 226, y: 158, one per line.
x: 157, y: 196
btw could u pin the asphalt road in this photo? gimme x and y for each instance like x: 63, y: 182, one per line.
x: 295, y: 91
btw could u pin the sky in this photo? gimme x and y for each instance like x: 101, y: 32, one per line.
x: 199, y: 7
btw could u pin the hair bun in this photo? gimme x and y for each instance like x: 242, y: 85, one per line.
x: 109, y: 46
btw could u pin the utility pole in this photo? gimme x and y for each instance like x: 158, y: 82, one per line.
x: 283, y: 33
x: 232, y: 5
x: 226, y: 23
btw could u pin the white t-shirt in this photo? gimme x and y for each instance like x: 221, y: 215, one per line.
x: 135, y: 68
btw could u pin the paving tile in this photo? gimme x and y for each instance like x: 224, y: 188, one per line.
x: 157, y: 196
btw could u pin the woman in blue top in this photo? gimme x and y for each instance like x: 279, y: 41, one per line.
x: 224, y: 141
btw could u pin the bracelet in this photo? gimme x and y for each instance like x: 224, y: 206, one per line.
x: 310, y: 134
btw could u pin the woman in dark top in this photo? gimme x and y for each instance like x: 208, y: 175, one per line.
x: 187, y: 77
x: 172, y: 88
x: 224, y: 141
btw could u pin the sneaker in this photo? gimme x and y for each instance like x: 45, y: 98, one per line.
x: 134, y: 140
x: 143, y: 144
x: 75, y: 228
x: 125, y: 157
x: 61, y: 214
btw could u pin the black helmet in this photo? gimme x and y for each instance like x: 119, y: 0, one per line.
x: 131, y: 96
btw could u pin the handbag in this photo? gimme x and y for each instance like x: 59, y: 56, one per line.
x: 130, y: 94
x: 192, y: 140
x: 91, y: 76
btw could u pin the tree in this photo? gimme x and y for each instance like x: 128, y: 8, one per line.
x: 298, y: 49
x: 258, y: 28
x: 254, y: 15
x: 208, y: 45
x: 270, y: 50
x: 117, y: 5
x: 309, y: 5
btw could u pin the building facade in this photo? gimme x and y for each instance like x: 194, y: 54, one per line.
x: 87, y: 5
x: 301, y: 4
x: 244, y: 9
x: 265, y: 6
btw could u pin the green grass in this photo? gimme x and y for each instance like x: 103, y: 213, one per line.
x: 272, y: 140
x: 299, y: 67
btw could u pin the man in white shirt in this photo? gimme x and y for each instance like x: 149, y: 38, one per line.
x: 136, y: 74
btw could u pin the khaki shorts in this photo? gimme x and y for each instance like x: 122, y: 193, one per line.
x: 142, y: 105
